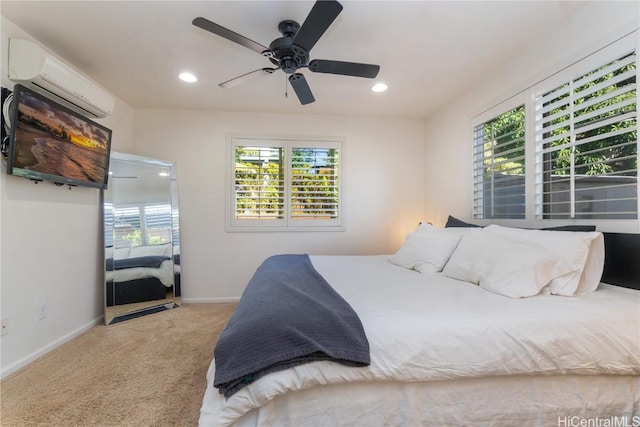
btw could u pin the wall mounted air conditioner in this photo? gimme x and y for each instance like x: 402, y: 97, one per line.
x: 32, y: 66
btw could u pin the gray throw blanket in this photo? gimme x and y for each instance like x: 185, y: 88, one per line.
x: 288, y: 315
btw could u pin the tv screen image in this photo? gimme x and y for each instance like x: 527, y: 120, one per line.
x: 50, y: 142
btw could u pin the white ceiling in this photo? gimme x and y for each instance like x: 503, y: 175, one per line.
x: 428, y: 50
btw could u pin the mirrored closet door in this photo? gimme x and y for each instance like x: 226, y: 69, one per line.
x: 142, y: 237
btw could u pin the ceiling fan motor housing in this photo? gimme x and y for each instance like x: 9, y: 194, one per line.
x: 286, y: 55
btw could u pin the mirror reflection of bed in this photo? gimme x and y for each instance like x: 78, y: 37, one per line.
x: 142, y: 237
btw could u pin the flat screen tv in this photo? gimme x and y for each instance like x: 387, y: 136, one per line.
x: 52, y: 143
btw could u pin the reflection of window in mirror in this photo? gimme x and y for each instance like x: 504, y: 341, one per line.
x: 142, y: 225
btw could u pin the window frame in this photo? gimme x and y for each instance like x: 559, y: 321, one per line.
x: 587, y: 64
x: 288, y: 143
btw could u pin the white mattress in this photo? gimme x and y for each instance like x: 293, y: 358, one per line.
x: 433, y: 338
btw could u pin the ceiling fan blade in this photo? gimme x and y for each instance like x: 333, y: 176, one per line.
x: 252, y: 75
x: 355, y: 69
x: 322, y: 14
x: 301, y: 87
x: 218, y: 30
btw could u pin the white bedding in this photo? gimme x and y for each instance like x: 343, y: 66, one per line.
x: 426, y: 329
x: 164, y: 273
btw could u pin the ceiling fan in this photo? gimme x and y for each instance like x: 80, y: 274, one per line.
x: 290, y: 52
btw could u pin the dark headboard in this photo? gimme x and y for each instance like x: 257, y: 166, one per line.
x: 622, y: 260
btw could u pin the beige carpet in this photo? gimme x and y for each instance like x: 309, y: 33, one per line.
x: 148, y: 371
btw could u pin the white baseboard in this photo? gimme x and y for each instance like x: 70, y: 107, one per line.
x: 209, y: 300
x: 16, y: 366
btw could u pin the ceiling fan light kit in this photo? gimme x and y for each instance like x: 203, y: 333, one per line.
x: 290, y: 52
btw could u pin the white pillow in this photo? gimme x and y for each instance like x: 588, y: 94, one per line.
x: 121, y: 253
x: 108, y: 252
x: 582, y: 251
x: 504, y: 266
x: 153, y: 250
x: 594, y: 267
x: 426, y: 252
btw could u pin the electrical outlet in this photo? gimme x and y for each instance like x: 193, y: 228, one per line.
x: 42, y: 311
x: 5, y: 326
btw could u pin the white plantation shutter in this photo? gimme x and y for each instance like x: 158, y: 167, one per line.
x: 108, y: 224
x: 587, y: 146
x: 175, y: 225
x: 259, y: 182
x: 285, y: 184
x: 499, y: 166
x: 127, y: 227
x: 157, y: 224
x: 315, y: 183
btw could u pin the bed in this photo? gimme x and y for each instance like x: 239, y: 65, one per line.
x: 141, y: 273
x: 447, y: 351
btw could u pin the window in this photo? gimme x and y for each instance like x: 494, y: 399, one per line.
x: 259, y: 182
x: 498, y: 166
x: 157, y: 221
x: 587, y: 145
x: 565, y: 148
x: 127, y: 227
x: 285, y: 184
x: 140, y: 225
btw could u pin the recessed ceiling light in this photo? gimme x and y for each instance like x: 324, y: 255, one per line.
x: 379, y: 87
x: 188, y: 77
x: 163, y: 173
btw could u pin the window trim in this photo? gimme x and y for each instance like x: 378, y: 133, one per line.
x: 287, y: 223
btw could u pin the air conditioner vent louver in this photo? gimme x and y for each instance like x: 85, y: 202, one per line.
x: 63, y: 101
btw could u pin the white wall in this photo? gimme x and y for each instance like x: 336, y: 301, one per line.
x: 382, y: 177
x: 51, y: 249
x: 449, y: 148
